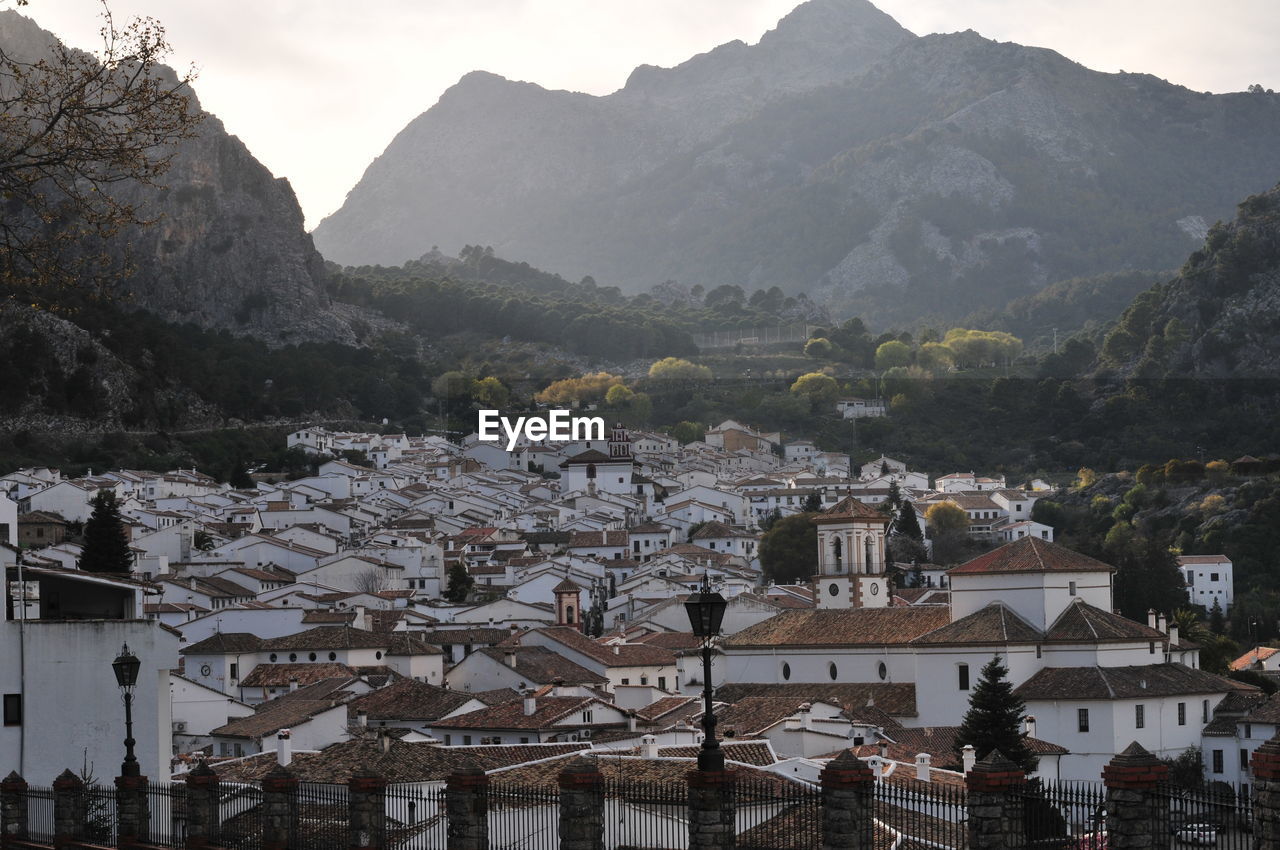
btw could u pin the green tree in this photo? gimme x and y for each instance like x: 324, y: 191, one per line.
x: 893, y: 354
x: 820, y: 389
x: 789, y: 549
x: 1217, y: 621
x: 994, y: 718
x: 106, y: 548
x: 619, y: 395
x: 819, y: 348
x: 460, y: 584
x: 906, y: 522
x: 490, y: 393
x: 946, y: 516
x: 688, y: 432
x: 812, y: 503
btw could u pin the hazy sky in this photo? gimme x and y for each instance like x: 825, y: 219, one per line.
x: 317, y: 88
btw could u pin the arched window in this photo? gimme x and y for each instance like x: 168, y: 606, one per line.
x: 568, y: 614
x: 870, y: 558
x: 837, y: 554
x: 591, y: 471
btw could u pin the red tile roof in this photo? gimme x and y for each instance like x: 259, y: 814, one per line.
x: 1030, y: 555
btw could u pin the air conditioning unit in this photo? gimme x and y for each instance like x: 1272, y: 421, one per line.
x: 179, y: 725
x: 586, y: 734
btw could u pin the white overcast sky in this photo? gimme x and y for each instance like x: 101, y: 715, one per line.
x: 317, y: 88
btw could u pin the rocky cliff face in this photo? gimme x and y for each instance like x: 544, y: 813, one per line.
x: 1220, y: 316
x: 899, y: 177
x: 228, y: 249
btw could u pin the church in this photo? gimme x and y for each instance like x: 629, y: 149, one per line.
x: 1093, y: 681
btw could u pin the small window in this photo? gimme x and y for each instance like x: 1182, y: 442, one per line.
x: 1248, y: 730
x: 786, y: 671
x: 963, y: 674
x: 13, y: 709
x: 1082, y: 719
x: 662, y: 683
x: 1139, y: 716
x: 1182, y: 714
x: 333, y: 656
x: 272, y: 658
x: 1039, y: 651
x: 378, y: 655
x: 1151, y: 648
x: 626, y: 681
x: 466, y: 740
x: 883, y: 671
x: 293, y: 656
x: 1204, y: 711
x: 586, y: 716
x: 448, y: 740
x: 524, y: 740
x: 235, y: 671
x: 831, y: 670
x: 311, y: 657
x: 1213, y: 576
x: 1071, y: 588
x: 1217, y: 761
x: 1244, y: 759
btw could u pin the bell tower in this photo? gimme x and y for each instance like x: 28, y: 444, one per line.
x: 619, y: 443
x: 852, y: 556
x: 568, y: 604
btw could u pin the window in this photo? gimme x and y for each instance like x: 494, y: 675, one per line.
x: 293, y: 656
x: 1217, y: 761
x: 834, y: 589
x: 235, y: 671
x: 311, y: 657
x: 13, y: 709
x: 524, y: 740
x: 448, y: 739
x: 378, y: 655
x: 1039, y: 651
x: 1204, y: 711
x: 1082, y: 719
x: 831, y: 670
x: 963, y: 675
x: 786, y: 671
x: 883, y: 671
x: 1182, y: 714
x: 1213, y: 576
x: 272, y: 658
x: 1244, y: 759
x: 1248, y: 730
x: 1071, y: 588
x: 1139, y: 716
x: 466, y: 740
x: 1151, y: 647
x: 333, y: 656
x: 662, y: 683
x: 626, y: 681
x: 586, y: 716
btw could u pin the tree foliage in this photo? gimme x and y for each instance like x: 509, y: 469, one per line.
x: 460, y: 584
x: 789, y: 549
x: 678, y: 369
x: 106, y: 546
x: 820, y: 389
x: 994, y: 718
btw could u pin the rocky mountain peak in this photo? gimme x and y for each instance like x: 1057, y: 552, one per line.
x: 833, y: 21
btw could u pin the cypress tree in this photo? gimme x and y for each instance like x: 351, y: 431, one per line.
x: 906, y: 523
x: 460, y: 583
x: 1217, y: 622
x: 106, y: 549
x: 994, y: 718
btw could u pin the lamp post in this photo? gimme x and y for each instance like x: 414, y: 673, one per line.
x: 706, y: 611
x: 126, y: 669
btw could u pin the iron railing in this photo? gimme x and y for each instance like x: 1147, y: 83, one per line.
x: 1216, y: 814
x: 323, y: 813
x: 167, y: 805
x: 524, y: 818
x: 240, y: 817
x: 40, y: 813
x: 927, y: 814
x: 101, y: 815
x: 649, y: 814
x: 777, y: 813
x: 416, y: 817
x: 1064, y: 815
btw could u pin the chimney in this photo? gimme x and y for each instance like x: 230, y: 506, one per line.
x: 631, y: 721
x: 362, y: 720
x: 1173, y: 634
x: 1029, y: 725
x: 1151, y: 617
x: 1161, y: 624
x: 968, y: 757
x: 360, y: 621
x: 806, y: 720
x: 530, y: 704
x: 510, y: 657
x: 385, y: 739
x: 616, y: 649
x: 284, y: 749
x: 922, y: 767
x: 293, y: 684
x: 557, y: 687
x: 884, y: 750
x: 649, y: 746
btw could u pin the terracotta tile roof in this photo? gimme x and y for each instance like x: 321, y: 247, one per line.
x: 584, y: 539
x: 542, y: 666
x: 995, y: 623
x: 848, y: 627
x: 939, y: 742
x: 403, y: 643
x: 625, y: 655
x: 328, y: 617
x: 1136, y: 682
x: 714, y: 530
x: 1185, y: 560
x: 1267, y: 712
x: 674, y: 641
x: 458, y: 637
x: 662, y: 710
x: 1081, y: 621
x: 1030, y: 555
x: 751, y: 716
x: 759, y: 753
x: 624, y: 772
x: 407, y: 699
x: 850, y: 508
x: 224, y: 642
x: 511, y: 715
x: 279, y: 675
x: 287, y: 711
x: 895, y: 698
x: 327, y: 637
x: 1253, y: 656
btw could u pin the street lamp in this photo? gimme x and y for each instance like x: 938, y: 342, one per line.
x: 706, y: 612
x: 126, y: 668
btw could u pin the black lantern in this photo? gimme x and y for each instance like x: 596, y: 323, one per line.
x: 126, y: 668
x: 706, y: 612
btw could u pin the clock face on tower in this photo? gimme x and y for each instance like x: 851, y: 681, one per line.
x: 875, y: 588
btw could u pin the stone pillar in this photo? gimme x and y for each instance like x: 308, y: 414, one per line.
x: 466, y: 796
x: 1134, y: 817
x: 279, y: 809
x: 847, y: 783
x: 13, y: 808
x: 581, y: 805
x: 367, y: 804
x: 996, y: 806
x: 204, y: 815
x: 1266, y: 795
x: 133, y: 811
x: 70, y: 809
x: 712, y: 810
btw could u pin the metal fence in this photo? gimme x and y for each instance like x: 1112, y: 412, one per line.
x: 928, y: 814
x: 323, y: 813
x: 416, y: 817
x: 40, y: 813
x: 524, y: 818
x: 1216, y: 815
x: 167, y: 804
x: 240, y: 817
x: 1064, y: 815
x: 775, y: 813
x: 101, y: 816
x: 646, y: 814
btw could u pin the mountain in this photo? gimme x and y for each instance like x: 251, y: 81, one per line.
x: 228, y: 248
x: 898, y: 177
x: 1220, y: 316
